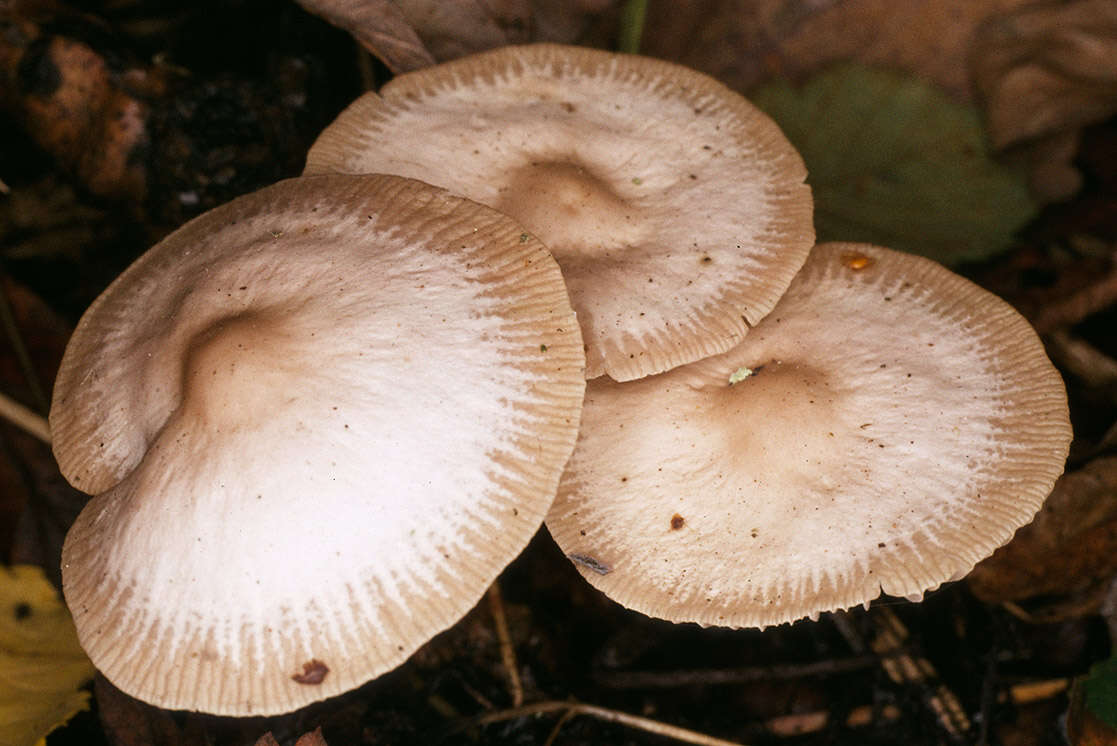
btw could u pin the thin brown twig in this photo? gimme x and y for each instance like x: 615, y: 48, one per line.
x: 24, y: 418
x: 1035, y: 691
x: 1078, y: 306
x: 364, y: 67
x: 801, y: 723
x: 890, y: 643
x: 648, y: 725
x: 1082, y: 359
x: 507, y: 651
x: 563, y: 720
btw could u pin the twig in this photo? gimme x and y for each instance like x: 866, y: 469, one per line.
x: 903, y: 668
x: 1079, y: 357
x: 364, y: 67
x: 670, y: 679
x: 864, y: 715
x: 566, y: 718
x: 1035, y: 691
x: 844, y: 624
x: 507, y: 651
x: 24, y: 418
x: 812, y: 722
x: 682, y: 735
x: 1080, y: 305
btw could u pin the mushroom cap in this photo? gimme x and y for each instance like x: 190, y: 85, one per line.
x: 676, y: 209
x: 320, y: 419
x: 887, y: 426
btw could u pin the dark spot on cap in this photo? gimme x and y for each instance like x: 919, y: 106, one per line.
x: 677, y: 522
x: 21, y: 611
x: 314, y: 672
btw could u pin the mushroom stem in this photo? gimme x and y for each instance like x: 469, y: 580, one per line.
x: 24, y: 418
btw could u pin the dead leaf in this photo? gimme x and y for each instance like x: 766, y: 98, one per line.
x: 37, y: 502
x: 130, y: 722
x: 30, y: 485
x: 41, y: 663
x: 411, y: 34
x: 380, y: 27
x: 1043, y: 70
x: 455, y: 28
x: 744, y: 42
x: 67, y: 98
x: 1047, y: 69
x: 314, y: 738
x: 1069, y: 549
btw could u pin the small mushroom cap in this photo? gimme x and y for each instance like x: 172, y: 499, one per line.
x: 676, y: 209
x: 320, y: 420
x: 887, y: 426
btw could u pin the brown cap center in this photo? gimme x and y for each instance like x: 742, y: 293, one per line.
x: 576, y: 213
x: 234, y: 369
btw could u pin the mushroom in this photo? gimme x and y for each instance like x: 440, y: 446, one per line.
x: 887, y: 426
x: 676, y: 209
x: 318, y: 420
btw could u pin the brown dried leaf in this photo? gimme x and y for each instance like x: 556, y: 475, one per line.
x: 380, y: 27
x: 410, y: 34
x: 33, y: 495
x: 574, y: 21
x: 1048, y: 69
x: 66, y: 97
x: 129, y: 722
x: 314, y: 738
x: 455, y: 28
x: 743, y: 42
x: 1070, y: 547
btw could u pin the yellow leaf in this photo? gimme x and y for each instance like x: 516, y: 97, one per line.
x: 41, y: 663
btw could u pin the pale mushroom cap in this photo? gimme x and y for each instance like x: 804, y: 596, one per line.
x: 321, y: 419
x: 899, y: 424
x: 676, y: 209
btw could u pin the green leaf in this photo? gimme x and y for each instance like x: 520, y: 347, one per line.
x: 894, y: 161
x: 41, y: 663
x: 1100, y: 688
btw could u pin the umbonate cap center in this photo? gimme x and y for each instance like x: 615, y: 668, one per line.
x: 576, y: 213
